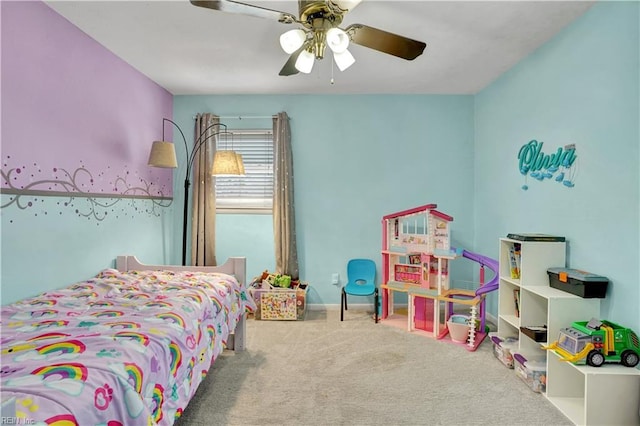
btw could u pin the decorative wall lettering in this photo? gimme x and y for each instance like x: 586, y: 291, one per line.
x: 142, y: 197
x: 540, y: 166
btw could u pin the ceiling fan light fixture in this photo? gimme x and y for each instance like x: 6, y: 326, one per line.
x: 321, y: 20
x: 337, y: 40
x: 344, y: 60
x: 292, y: 40
x: 305, y: 60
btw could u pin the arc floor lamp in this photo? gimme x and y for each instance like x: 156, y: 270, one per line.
x: 225, y: 162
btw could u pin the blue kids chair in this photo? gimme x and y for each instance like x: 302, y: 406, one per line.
x: 361, y: 276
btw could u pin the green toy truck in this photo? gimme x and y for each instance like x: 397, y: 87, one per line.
x: 598, y: 342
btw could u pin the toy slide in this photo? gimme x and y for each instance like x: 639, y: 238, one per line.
x: 478, y: 302
x: 489, y: 263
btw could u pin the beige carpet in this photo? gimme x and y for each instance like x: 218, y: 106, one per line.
x: 324, y: 372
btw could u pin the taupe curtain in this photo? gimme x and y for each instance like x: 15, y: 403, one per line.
x: 203, y: 218
x: 284, y: 223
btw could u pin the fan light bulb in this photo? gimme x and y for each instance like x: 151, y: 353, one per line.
x: 337, y: 40
x: 292, y: 40
x: 305, y: 60
x: 343, y: 60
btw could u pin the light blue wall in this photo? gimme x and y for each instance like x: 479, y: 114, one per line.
x: 582, y: 87
x: 356, y: 158
x: 246, y: 235
x: 48, y: 246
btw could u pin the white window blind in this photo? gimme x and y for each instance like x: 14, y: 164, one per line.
x: 254, y: 190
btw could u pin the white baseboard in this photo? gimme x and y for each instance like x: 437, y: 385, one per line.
x: 491, y: 318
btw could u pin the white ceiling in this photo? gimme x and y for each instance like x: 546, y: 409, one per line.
x: 191, y: 50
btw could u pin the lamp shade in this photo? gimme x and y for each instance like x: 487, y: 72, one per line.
x: 305, y: 60
x: 241, y: 170
x: 343, y: 59
x: 225, y: 163
x: 292, y: 40
x: 163, y: 154
x: 337, y: 40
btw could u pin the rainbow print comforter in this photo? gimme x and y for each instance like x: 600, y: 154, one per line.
x: 119, y: 349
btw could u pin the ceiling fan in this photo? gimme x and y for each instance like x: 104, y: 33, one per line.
x: 320, y: 20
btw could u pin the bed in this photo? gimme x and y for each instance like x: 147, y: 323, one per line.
x: 127, y: 347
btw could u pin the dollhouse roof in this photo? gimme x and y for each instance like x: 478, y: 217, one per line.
x: 430, y: 208
x: 441, y: 215
x: 410, y: 211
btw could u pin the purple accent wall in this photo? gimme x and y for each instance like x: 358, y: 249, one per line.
x: 68, y: 103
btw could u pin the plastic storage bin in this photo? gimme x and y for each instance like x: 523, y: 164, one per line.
x: 532, y: 369
x: 458, y: 326
x: 281, y: 303
x: 503, y: 349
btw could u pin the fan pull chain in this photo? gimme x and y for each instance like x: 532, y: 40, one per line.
x: 332, y: 67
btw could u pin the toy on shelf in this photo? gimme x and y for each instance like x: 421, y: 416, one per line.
x: 416, y: 252
x: 597, y: 342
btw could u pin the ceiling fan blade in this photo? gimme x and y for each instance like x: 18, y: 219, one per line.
x: 385, y: 42
x: 246, y: 9
x: 289, y: 67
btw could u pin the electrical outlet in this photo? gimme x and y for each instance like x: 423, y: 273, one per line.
x: 335, y: 278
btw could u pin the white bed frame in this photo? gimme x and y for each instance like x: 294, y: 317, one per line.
x: 236, y: 266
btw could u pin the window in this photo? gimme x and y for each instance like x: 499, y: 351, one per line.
x: 254, y: 190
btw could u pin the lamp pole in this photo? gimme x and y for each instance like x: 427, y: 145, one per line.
x: 187, y: 183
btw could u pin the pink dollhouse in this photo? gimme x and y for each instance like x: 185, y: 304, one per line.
x: 416, y: 251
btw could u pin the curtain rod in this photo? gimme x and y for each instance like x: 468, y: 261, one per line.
x: 244, y: 117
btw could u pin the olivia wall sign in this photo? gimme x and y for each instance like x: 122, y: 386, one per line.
x: 559, y: 166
